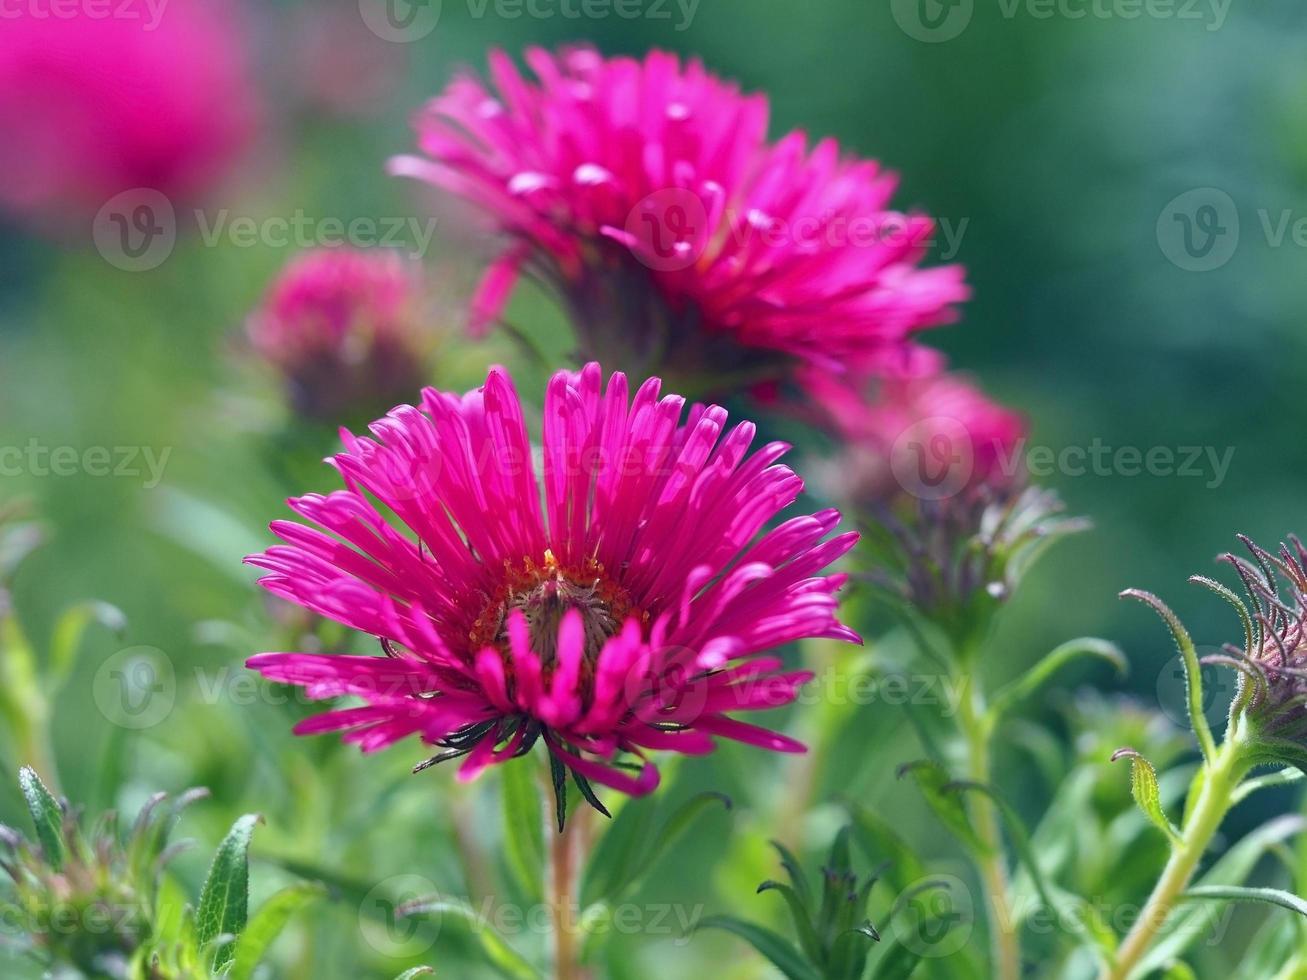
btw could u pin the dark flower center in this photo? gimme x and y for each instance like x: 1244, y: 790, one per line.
x: 544, y: 593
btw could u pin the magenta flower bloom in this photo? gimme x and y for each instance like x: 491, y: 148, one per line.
x: 651, y: 188
x: 94, y: 105
x: 338, y: 324
x: 621, y: 614
x: 933, y: 435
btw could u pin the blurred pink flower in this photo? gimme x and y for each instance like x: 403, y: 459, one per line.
x: 340, y: 324
x: 647, y: 194
x: 932, y: 435
x: 93, y: 104
x: 625, y: 615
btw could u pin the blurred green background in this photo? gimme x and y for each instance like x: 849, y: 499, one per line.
x: 1056, y: 145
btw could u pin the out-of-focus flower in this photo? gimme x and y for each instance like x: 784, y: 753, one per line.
x: 932, y: 436
x: 622, y: 617
x: 932, y: 465
x: 340, y: 325
x: 647, y: 195
x: 92, y: 106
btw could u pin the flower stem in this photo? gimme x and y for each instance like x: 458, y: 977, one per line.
x: 564, y: 861
x: 1218, y: 781
x: 1004, y: 941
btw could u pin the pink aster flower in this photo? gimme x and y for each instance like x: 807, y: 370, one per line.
x: 650, y: 188
x: 94, y: 105
x: 338, y: 323
x: 616, y: 603
x: 934, y: 435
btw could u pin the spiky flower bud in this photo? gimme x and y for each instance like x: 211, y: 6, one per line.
x: 1271, y: 699
x: 86, y: 900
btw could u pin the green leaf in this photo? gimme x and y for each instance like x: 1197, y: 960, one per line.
x: 266, y: 925
x: 558, y: 776
x: 799, y: 913
x: 1179, y: 970
x: 671, y: 831
x: 898, y: 961
x: 417, y: 971
x: 1016, y: 833
x: 47, y: 815
x: 1143, y: 786
x: 497, y: 951
x: 1192, y: 670
x: 224, y: 900
x: 1184, y: 926
x: 780, y: 953
x: 798, y: 879
x: 1231, y: 893
x: 879, y: 839
x: 524, y: 837
x: 934, y: 781
x: 67, y: 638
x: 618, y: 851
x: 1035, y: 678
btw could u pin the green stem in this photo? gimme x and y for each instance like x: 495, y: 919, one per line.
x: 565, y: 860
x: 1218, y: 781
x: 976, y: 729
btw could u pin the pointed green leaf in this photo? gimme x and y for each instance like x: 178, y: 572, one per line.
x: 524, y: 837
x: 781, y: 954
x: 798, y: 879
x: 1192, y: 669
x: 618, y: 851
x: 67, y: 638
x: 1143, y: 786
x: 558, y: 777
x: 1232, y: 893
x: 799, y: 914
x: 933, y: 779
x: 267, y: 924
x: 224, y: 900
x: 879, y: 839
x: 497, y: 951
x: 47, y: 815
x: 1035, y: 678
